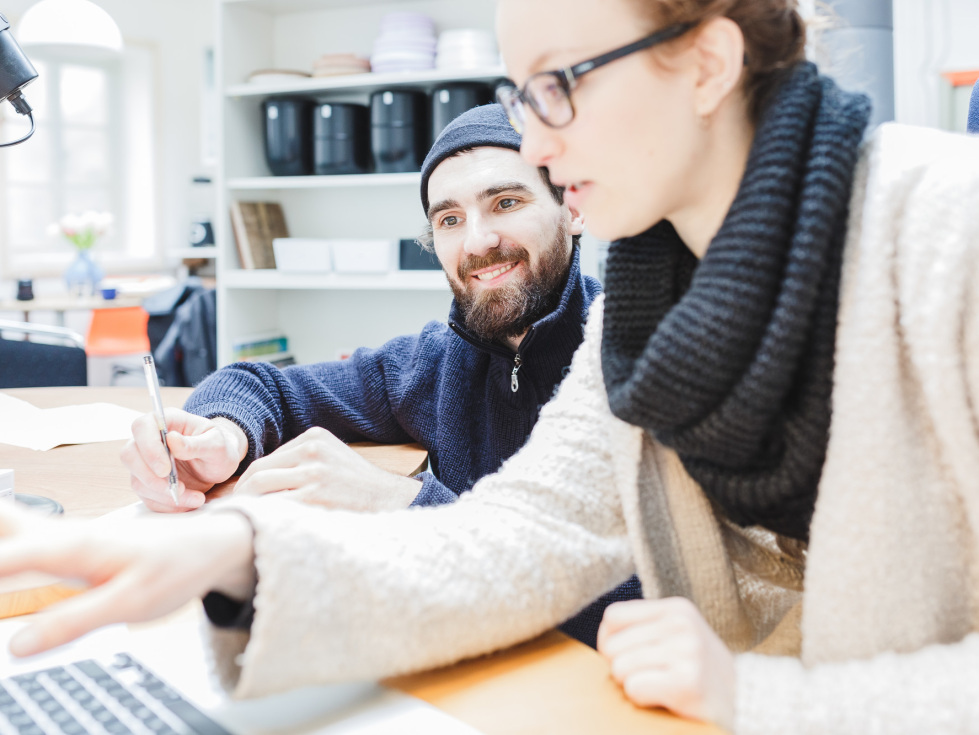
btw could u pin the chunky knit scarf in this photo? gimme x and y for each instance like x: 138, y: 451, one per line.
x: 730, y: 361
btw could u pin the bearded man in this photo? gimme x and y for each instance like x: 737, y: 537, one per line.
x: 469, y: 390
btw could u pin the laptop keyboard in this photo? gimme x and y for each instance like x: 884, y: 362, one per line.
x: 91, y: 697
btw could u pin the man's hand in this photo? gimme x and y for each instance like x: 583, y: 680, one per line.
x: 207, y: 451
x: 319, y: 468
x: 137, y: 569
x: 664, y: 654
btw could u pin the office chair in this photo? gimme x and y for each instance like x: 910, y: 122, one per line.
x: 118, y: 332
x: 31, y: 364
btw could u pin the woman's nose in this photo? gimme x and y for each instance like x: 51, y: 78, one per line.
x: 539, y: 144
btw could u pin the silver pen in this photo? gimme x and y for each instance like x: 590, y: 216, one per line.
x: 153, y: 383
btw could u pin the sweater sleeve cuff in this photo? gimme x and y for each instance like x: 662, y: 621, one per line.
x: 234, y: 414
x: 768, y: 691
x: 433, y: 492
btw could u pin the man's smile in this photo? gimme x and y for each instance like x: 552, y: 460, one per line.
x: 494, y: 272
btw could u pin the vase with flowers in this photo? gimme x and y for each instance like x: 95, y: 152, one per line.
x: 83, y: 231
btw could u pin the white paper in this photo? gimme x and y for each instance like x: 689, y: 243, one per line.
x: 25, y: 425
x: 94, y: 644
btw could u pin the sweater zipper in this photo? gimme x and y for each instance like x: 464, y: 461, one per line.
x: 514, y: 383
x: 499, y: 350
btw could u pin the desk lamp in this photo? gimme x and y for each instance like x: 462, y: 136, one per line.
x: 16, y: 72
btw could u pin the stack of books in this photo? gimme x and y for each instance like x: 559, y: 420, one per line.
x: 273, y: 348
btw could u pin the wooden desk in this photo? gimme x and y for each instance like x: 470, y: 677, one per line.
x: 550, y: 685
x: 89, y: 480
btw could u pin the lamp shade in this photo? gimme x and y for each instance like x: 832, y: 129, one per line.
x: 78, y: 26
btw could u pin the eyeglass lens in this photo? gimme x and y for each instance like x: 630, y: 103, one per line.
x: 509, y: 98
x: 547, y: 96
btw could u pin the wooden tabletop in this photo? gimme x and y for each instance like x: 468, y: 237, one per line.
x: 89, y: 480
x: 553, y: 684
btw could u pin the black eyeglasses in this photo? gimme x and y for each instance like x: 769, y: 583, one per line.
x: 548, y: 93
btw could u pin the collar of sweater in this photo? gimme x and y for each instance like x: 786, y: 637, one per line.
x: 729, y: 361
x: 560, y: 328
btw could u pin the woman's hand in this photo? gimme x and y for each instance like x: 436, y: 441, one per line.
x: 316, y: 467
x: 136, y: 570
x: 664, y: 654
x: 207, y: 451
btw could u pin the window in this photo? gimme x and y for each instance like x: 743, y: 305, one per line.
x: 93, y: 149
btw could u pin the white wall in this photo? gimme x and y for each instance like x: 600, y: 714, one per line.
x: 931, y: 36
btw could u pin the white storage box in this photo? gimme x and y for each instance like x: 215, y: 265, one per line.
x: 363, y: 256
x: 306, y: 254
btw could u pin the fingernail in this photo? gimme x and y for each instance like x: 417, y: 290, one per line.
x: 26, y: 643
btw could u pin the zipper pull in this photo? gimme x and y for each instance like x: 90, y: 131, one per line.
x: 514, y: 384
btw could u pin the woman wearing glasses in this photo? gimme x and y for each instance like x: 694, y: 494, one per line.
x: 790, y: 334
x: 780, y: 386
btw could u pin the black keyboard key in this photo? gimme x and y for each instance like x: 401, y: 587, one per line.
x: 9, y: 707
x: 161, y: 692
x: 50, y: 705
x: 92, y: 670
x: 20, y: 719
x: 195, y: 719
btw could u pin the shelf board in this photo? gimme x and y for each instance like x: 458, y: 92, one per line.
x: 201, y: 252
x: 285, y: 281
x: 365, y: 82
x: 324, y: 182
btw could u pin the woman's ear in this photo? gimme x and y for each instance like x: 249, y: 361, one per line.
x: 720, y: 48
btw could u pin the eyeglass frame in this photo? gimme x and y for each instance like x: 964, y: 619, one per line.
x: 568, y: 76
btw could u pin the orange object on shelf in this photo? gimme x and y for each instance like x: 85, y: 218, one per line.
x: 117, y: 331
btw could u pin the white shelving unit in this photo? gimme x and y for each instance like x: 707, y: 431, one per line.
x: 324, y: 315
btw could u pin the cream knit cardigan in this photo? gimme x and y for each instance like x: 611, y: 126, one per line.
x: 891, y: 599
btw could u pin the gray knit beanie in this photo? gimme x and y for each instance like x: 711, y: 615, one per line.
x: 486, y: 125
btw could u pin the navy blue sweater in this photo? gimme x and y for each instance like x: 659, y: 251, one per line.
x: 444, y: 388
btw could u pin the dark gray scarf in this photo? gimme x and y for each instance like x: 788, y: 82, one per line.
x: 730, y: 361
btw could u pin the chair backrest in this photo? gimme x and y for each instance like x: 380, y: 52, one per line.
x: 36, y: 364
x: 117, y: 331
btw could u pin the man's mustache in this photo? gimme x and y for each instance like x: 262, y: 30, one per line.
x: 494, y: 257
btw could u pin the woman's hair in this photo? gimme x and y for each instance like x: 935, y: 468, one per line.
x: 774, y: 36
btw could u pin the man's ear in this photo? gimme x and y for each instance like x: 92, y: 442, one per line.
x: 577, y: 225
x: 720, y: 50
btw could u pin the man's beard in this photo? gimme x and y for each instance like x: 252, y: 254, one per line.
x: 509, y: 310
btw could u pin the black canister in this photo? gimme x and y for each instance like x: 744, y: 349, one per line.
x: 452, y: 100
x: 342, y: 139
x: 25, y: 289
x: 288, y: 135
x: 399, y: 133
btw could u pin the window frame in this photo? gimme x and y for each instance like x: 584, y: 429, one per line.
x: 122, y: 184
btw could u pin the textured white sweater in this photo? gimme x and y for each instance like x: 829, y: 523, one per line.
x: 887, y: 640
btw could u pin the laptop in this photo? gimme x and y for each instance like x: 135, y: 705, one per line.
x: 158, y: 683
